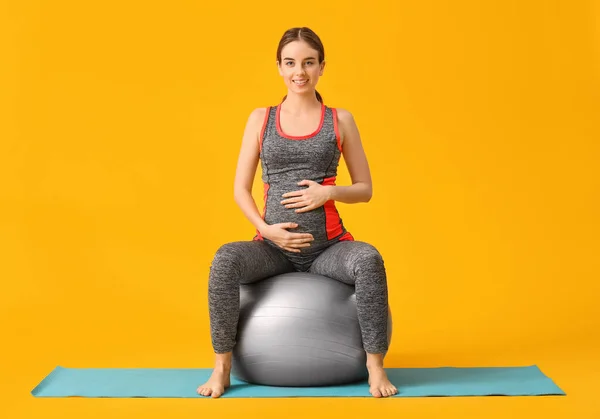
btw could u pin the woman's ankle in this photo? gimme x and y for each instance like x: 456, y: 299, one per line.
x: 374, y: 360
x: 223, y: 360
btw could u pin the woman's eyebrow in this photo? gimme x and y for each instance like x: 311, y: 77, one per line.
x: 309, y: 58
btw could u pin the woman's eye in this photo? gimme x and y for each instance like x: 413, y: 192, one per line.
x: 307, y: 62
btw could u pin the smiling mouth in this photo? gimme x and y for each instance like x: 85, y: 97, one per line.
x: 300, y: 82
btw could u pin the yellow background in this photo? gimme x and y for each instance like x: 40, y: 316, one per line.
x: 120, y: 124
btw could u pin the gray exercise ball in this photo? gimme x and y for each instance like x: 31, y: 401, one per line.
x: 299, y: 329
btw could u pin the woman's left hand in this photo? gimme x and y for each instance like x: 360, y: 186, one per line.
x: 307, y: 199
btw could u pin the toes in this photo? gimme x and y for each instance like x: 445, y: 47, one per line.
x: 205, y: 391
x: 387, y: 391
x: 210, y: 391
x: 383, y: 390
x: 376, y: 393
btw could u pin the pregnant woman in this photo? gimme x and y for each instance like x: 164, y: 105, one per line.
x: 299, y: 143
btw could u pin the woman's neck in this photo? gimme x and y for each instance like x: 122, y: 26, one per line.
x: 300, y: 104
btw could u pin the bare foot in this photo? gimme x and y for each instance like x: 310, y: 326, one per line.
x: 217, y: 383
x: 380, y: 385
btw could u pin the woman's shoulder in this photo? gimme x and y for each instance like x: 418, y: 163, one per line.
x: 259, y: 113
x: 345, y: 121
x: 258, y: 116
x: 343, y: 114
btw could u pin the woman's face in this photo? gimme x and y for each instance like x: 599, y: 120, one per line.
x: 300, y: 67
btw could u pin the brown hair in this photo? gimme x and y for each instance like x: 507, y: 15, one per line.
x: 302, y: 34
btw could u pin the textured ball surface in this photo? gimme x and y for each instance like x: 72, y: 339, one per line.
x: 299, y: 329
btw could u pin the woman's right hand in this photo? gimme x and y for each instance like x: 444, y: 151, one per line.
x: 289, y: 241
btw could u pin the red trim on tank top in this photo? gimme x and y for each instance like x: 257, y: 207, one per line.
x: 265, y: 194
x: 336, y: 129
x: 347, y: 237
x: 299, y: 137
x: 333, y: 224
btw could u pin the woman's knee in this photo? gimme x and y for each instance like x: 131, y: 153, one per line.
x: 228, y: 250
x: 365, y: 254
x: 227, y: 256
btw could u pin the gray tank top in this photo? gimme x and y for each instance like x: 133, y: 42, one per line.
x: 285, y: 161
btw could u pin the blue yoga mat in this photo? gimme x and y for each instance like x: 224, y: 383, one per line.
x: 411, y: 382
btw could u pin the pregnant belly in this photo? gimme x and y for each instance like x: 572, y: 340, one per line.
x: 312, y: 222
x: 323, y: 222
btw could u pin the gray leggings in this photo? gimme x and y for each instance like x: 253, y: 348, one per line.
x: 352, y: 262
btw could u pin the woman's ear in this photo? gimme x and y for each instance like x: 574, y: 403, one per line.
x: 322, y: 68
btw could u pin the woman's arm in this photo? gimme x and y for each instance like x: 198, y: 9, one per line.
x: 361, y: 189
x: 246, y: 169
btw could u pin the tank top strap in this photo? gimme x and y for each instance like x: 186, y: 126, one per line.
x: 269, y: 123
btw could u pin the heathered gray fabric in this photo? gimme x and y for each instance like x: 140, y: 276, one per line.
x: 352, y: 262
x: 285, y: 162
